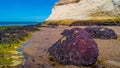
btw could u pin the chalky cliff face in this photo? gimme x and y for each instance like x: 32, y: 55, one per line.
x: 85, y: 9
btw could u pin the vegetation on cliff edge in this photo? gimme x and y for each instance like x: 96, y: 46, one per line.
x: 94, y: 21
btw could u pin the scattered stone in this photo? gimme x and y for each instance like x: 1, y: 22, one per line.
x: 10, y: 35
x: 76, y: 47
x: 33, y: 60
x: 45, y: 66
x: 52, y: 25
x: 101, y: 32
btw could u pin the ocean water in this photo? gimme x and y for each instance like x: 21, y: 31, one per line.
x: 18, y: 23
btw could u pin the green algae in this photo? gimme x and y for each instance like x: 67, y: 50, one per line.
x: 9, y: 56
x: 5, y: 27
x: 118, y: 38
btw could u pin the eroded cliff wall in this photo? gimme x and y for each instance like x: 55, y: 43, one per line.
x: 85, y: 9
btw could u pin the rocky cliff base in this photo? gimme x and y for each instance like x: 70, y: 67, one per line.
x: 90, y: 22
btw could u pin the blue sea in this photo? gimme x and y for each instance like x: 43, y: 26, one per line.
x: 18, y: 23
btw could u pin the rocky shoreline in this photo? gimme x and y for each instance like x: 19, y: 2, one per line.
x: 109, y: 49
x: 91, y: 22
x: 11, y: 38
x: 37, y: 48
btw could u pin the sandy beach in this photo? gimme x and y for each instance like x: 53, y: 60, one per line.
x: 38, y: 57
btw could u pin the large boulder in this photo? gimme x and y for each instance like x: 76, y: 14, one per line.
x: 76, y: 47
x: 101, y: 32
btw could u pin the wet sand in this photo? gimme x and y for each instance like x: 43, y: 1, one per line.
x: 109, y: 50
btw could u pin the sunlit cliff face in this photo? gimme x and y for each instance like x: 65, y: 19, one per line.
x: 85, y: 10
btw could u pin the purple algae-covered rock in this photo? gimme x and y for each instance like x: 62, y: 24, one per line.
x: 76, y: 47
x: 101, y: 32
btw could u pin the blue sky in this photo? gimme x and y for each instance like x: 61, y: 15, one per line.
x: 25, y: 10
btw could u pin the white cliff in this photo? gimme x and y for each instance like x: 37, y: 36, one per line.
x: 85, y: 9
